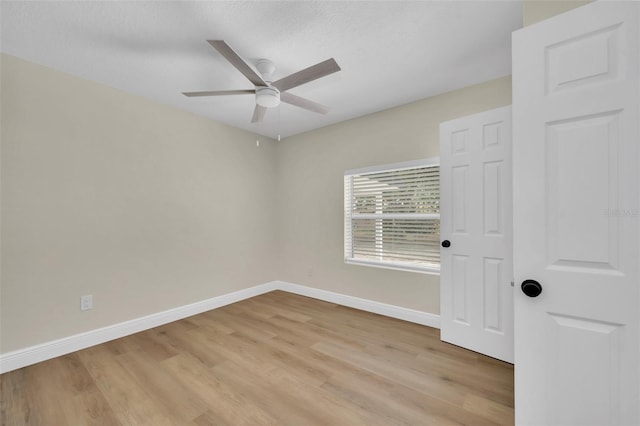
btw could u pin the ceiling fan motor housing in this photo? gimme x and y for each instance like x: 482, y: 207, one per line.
x: 268, y: 97
x: 266, y: 68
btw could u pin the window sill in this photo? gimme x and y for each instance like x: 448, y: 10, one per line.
x: 384, y: 265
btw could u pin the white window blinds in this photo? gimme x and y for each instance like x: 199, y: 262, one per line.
x: 392, y: 217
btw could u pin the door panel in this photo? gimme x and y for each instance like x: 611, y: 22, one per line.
x: 475, y: 215
x: 460, y: 196
x: 459, y: 281
x: 492, y: 188
x: 576, y: 231
x: 583, y: 60
x: 587, y: 354
x: 582, y: 153
x: 492, y: 282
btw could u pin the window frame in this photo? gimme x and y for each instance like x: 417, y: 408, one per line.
x: 348, y: 217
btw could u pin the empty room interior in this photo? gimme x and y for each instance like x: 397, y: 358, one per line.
x: 320, y: 213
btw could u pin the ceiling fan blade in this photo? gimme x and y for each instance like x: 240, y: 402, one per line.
x: 220, y: 93
x: 303, y: 103
x: 235, y: 59
x: 258, y: 114
x: 314, y: 72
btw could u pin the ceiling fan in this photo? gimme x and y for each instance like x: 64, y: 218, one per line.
x: 270, y: 93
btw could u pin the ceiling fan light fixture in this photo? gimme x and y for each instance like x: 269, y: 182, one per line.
x: 267, y: 97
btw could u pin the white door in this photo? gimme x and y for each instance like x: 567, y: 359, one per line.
x: 576, y: 217
x: 476, y: 297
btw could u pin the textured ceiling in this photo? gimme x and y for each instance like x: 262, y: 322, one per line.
x: 391, y: 53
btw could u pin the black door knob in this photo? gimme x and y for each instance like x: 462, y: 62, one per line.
x: 531, y: 288
x: 446, y: 243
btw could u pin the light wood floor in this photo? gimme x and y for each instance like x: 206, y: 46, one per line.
x: 274, y: 359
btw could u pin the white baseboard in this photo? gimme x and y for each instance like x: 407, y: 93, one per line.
x: 392, y: 311
x: 31, y: 355
x: 42, y: 352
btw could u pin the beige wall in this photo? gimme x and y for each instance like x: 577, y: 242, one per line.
x: 310, y: 179
x: 538, y: 10
x: 147, y: 207
x: 144, y: 206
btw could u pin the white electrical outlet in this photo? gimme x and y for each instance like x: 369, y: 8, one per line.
x: 86, y: 302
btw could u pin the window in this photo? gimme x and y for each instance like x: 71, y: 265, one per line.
x: 392, y: 216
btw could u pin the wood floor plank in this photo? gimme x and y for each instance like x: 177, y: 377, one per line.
x: 226, y: 403
x: 395, y: 373
x: 164, y: 389
x: 275, y: 359
x: 14, y: 399
x: 374, y: 394
x: 399, y: 404
x: 488, y: 409
x: 292, y: 397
